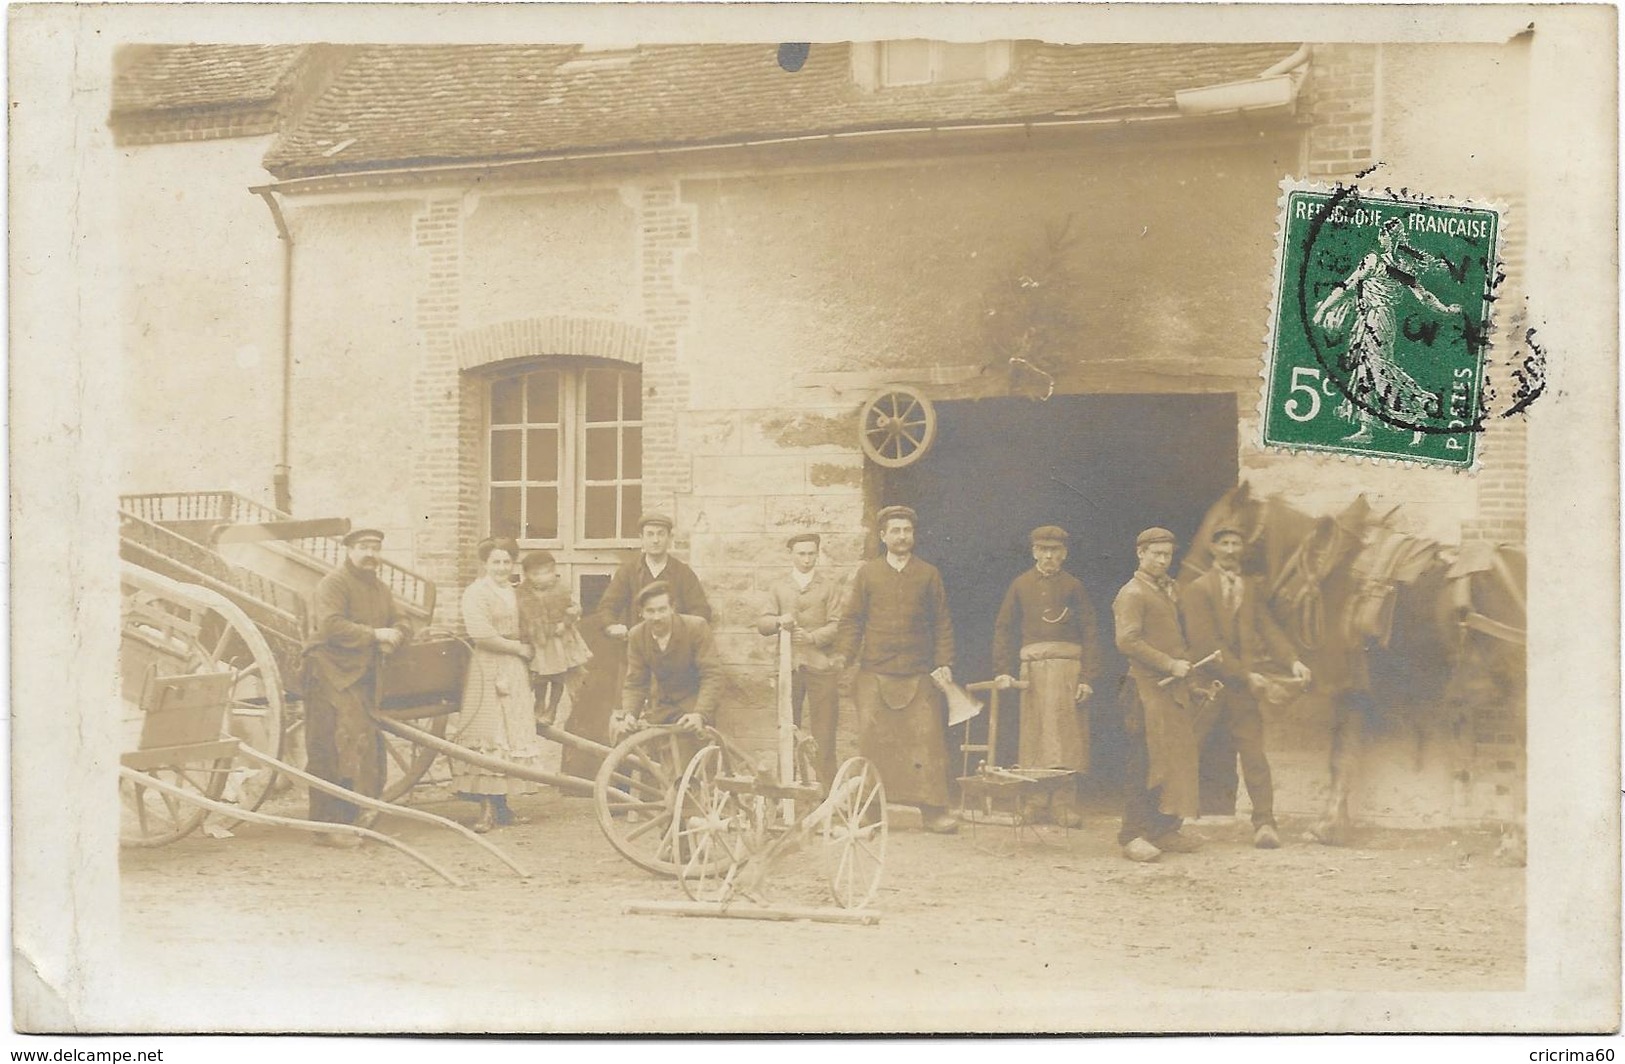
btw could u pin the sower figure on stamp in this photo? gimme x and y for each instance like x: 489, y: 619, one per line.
x: 673, y: 671
x: 353, y: 624
x: 895, y: 625
x: 807, y: 603
x: 1159, y: 783
x: 1224, y: 612
x: 1374, y: 292
x: 1046, y: 634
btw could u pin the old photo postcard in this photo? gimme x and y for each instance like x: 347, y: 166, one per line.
x: 814, y: 519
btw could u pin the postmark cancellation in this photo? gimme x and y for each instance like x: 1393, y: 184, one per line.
x: 1381, y: 323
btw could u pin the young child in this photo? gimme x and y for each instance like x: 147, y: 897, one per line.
x: 547, y: 617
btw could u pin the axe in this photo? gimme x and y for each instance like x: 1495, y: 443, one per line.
x: 961, y: 706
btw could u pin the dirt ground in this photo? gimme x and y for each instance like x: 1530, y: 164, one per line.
x: 982, y: 929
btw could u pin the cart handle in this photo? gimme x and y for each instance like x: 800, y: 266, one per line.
x: 992, y: 685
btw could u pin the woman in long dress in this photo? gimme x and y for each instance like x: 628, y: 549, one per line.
x: 497, y: 715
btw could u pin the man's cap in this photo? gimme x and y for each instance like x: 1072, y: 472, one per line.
x: 804, y: 537
x: 538, y: 558
x: 905, y: 512
x: 654, y: 519
x: 1225, y: 528
x: 1154, y: 535
x: 1053, y: 534
x: 356, y: 535
x: 649, y: 591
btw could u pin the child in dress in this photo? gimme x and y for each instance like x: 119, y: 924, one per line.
x: 548, y: 616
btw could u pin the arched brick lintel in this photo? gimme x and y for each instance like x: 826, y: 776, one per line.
x: 559, y: 335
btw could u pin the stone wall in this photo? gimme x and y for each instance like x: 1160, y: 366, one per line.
x: 201, y: 319
x: 763, y: 306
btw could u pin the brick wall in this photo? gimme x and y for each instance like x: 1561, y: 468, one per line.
x: 665, y: 236
x: 1340, y: 102
x: 443, y: 466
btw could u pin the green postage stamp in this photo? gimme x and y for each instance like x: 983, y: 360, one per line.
x: 1380, y: 326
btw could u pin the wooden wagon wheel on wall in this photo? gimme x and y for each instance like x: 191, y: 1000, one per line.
x: 896, y: 427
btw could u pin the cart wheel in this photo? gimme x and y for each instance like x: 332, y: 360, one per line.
x: 407, y: 762
x: 854, y: 833
x: 635, y: 791
x: 150, y: 818
x: 715, y: 830
x: 171, y: 629
x: 897, y: 427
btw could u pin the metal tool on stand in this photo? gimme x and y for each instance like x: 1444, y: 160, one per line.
x: 993, y: 794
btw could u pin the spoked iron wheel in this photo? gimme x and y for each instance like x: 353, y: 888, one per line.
x: 406, y: 763
x: 716, y: 829
x: 898, y: 427
x: 635, y: 792
x: 170, y: 629
x: 854, y: 834
x: 148, y: 817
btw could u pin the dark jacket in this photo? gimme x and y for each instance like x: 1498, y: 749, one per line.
x: 1045, y: 609
x: 898, y: 619
x: 686, y: 677
x: 618, y: 604
x: 346, y: 606
x: 1245, y: 638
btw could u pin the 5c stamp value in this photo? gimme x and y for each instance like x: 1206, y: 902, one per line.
x: 1380, y: 326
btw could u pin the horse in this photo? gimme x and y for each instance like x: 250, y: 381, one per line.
x: 1395, y: 627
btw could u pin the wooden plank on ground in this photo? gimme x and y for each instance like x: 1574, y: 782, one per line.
x: 867, y: 917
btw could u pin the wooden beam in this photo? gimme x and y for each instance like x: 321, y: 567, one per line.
x: 747, y: 911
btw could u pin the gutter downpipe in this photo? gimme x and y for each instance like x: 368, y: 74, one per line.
x: 280, y: 474
x: 1290, y: 63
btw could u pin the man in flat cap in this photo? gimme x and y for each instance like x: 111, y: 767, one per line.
x: 806, y: 602
x: 1224, y: 611
x: 673, y: 672
x: 895, y: 625
x: 1159, y: 780
x: 1045, y: 633
x: 353, y: 624
x: 617, y: 610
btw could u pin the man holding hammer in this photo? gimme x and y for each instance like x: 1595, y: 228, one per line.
x: 1160, y: 779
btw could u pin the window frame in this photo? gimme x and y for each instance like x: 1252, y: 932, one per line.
x: 996, y: 60
x: 572, y: 472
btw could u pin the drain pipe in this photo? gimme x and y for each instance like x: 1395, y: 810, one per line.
x: 1290, y: 63
x: 280, y: 481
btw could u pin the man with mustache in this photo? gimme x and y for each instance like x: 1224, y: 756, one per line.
x: 353, y: 625
x: 895, y: 627
x: 1225, y: 612
x: 1045, y: 632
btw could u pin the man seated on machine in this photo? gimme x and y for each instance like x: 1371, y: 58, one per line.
x: 673, y: 671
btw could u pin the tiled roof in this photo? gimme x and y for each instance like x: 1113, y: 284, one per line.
x: 403, y: 105
x: 163, y: 77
